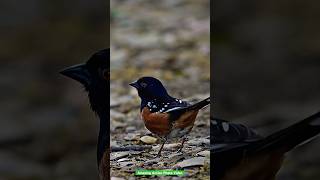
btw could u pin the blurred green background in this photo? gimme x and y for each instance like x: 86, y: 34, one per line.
x: 47, y: 130
x: 266, y: 64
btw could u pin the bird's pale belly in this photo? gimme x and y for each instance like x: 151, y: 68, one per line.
x: 179, y: 132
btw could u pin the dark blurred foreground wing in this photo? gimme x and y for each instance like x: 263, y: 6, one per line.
x: 229, y: 152
x: 229, y: 140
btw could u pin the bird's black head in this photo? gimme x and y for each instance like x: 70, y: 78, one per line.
x: 149, y: 88
x: 94, y: 75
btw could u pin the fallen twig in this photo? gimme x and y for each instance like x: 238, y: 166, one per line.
x: 130, y: 148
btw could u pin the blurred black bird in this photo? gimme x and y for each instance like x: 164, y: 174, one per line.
x: 94, y: 75
x: 240, y: 153
x: 164, y: 115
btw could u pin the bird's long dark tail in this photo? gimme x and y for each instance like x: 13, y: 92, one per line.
x: 292, y: 136
x: 200, y: 104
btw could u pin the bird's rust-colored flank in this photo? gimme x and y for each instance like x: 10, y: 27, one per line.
x: 186, y: 120
x: 157, y: 123
x: 160, y: 124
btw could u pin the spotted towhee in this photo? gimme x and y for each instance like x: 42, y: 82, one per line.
x: 163, y: 115
x: 94, y: 75
x: 240, y: 153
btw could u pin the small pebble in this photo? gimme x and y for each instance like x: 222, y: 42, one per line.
x: 205, y: 153
x: 197, y: 161
x: 148, y: 139
x: 118, y: 155
x: 131, y: 129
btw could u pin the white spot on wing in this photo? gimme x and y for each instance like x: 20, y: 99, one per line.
x: 225, y: 126
x: 172, y: 109
x: 214, y: 122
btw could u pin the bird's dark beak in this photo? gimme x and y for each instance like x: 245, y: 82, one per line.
x: 79, y: 73
x: 135, y: 84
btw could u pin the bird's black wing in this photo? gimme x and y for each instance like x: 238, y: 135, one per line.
x: 177, y: 111
x: 170, y: 104
x: 178, y: 105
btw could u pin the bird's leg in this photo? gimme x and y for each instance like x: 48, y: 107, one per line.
x: 182, y: 143
x: 159, y: 153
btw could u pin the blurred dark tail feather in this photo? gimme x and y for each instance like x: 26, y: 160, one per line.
x: 292, y: 136
x: 200, y: 104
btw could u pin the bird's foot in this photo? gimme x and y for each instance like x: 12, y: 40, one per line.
x: 180, y: 150
x: 158, y: 155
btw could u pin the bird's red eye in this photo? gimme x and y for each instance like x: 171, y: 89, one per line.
x: 106, y: 74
